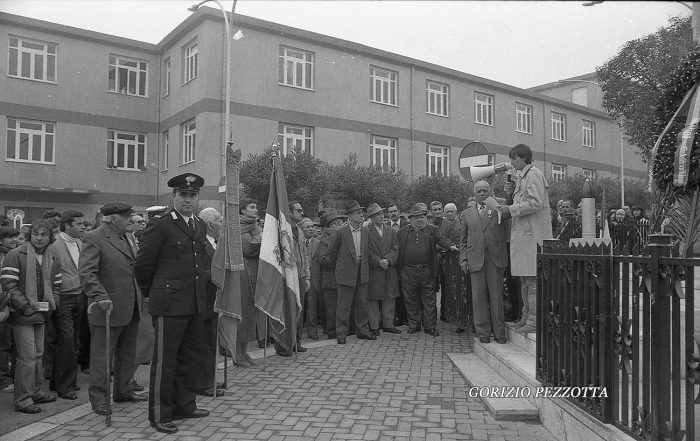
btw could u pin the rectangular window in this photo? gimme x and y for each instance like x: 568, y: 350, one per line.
x: 190, y: 63
x: 166, y: 149
x: 296, y: 68
x: 558, y: 172
x: 30, y: 141
x: 523, y: 118
x: 166, y: 69
x: 127, y: 76
x: 483, y: 109
x: 558, y: 126
x: 382, y: 86
x: 296, y: 137
x: 383, y: 152
x: 126, y: 150
x: 189, y: 141
x: 589, y: 173
x: 31, y: 59
x: 436, y: 98
x: 437, y: 160
x: 588, y: 133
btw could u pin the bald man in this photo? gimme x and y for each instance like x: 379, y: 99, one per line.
x: 483, y: 254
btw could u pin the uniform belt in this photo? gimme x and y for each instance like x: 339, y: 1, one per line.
x: 416, y: 266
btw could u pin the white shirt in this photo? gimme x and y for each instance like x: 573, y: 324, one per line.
x: 212, y: 241
x: 73, y: 248
x: 357, y: 239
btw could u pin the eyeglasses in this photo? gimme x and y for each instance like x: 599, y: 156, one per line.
x: 141, y: 222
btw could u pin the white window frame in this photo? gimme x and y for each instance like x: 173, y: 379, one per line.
x: 189, y: 141
x: 590, y: 173
x: 296, y: 68
x: 588, y: 133
x: 293, y: 136
x: 523, y: 118
x: 190, y: 62
x: 558, y: 172
x: 383, y: 86
x: 167, y: 76
x: 558, y: 126
x: 166, y: 149
x: 437, y: 98
x: 30, y: 132
x: 384, y: 152
x: 437, y: 160
x: 126, y: 150
x: 133, y: 71
x: 41, y: 57
x: 483, y: 109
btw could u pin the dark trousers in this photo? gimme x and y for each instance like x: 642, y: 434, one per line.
x: 487, y: 299
x: 84, y: 338
x: 8, y: 355
x: 207, y: 359
x: 443, y: 291
x: 419, y: 289
x: 400, y: 316
x: 66, y: 319
x: 312, y: 311
x: 330, y: 298
x: 122, y: 350
x: 173, y: 384
x: 346, y: 296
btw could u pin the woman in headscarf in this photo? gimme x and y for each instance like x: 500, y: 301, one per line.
x: 251, y: 238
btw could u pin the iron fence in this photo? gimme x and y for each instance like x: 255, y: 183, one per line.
x: 626, y: 323
x: 458, y: 298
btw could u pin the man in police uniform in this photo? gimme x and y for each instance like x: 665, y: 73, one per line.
x: 170, y: 271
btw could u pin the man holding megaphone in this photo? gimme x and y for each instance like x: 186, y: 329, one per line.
x: 531, y: 224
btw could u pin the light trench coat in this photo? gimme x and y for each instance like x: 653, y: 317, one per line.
x: 531, y: 221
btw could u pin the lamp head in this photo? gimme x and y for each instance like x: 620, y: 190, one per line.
x: 193, y: 8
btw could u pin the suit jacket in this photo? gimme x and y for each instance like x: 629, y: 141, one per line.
x: 433, y: 238
x: 478, y: 235
x: 315, y: 263
x: 402, y: 223
x: 325, y: 265
x: 383, y: 285
x: 106, y: 267
x: 71, y: 280
x: 170, y: 267
x: 210, y: 287
x: 341, y: 251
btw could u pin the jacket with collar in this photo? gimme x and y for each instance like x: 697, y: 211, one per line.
x: 433, y: 238
x: 383, y: 285
x: 71, y: 278
x: 480, y: 234
x: 341, y: 252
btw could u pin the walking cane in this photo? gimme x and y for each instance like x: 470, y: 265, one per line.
x: 108, y: 398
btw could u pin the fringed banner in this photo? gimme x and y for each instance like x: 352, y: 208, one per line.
x: 685, y: 143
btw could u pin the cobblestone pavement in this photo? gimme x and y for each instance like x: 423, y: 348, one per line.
x: 400, y: 387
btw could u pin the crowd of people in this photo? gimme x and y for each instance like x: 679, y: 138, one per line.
x: 368, y: 270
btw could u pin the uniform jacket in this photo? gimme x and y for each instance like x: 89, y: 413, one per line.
x: 14, y: 280
x: 325, y: 265
x: 531, y: 222
x: 210, y: 288
x: 106, y: 268
x: 341, y: 251
x: 433, y: 238
x: 383, y: 285
x: 480, y: 234
x: 170, y: 267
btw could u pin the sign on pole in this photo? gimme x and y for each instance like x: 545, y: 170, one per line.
x: 473, y: 154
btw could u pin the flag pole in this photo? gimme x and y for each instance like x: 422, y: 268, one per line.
x: 216, y: 355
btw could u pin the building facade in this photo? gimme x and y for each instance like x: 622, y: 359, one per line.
x: 88, y: 118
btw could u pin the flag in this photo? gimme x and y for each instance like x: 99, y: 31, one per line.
x: 277, y: 292
x: 227, y: 264
x: 604, y: 216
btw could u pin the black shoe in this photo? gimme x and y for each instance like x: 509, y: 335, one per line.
x: 137, y: 387
x: 210, y: 392
x: 501, y: 340
x: 366, y: 337
x: 45, y: 399
x: 392, y: 330
x: 375, y: 332
x: 85, y: 370
x: 197, y: 413
x: 484, y: 340
x: 443, y: 319
x: 313, y: 337
x: 301, y: 349
x: 460, y: 330
x: 432, y: 332
x: 413, y: 330
x: 221, y: 385
x: 101, y: 409
x: 77, y: 387
x: 167, y: 427
x: 133, y: 399
x: 341, y: 340
x: 31, y: 409
x: 283, y: 354
x: 69, y: 396
x: 261, y: 344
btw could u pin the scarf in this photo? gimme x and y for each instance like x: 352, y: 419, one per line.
x: 248, y: 224
x: 30, y: 288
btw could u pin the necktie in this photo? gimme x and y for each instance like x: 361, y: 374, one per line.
x: 191, y: 223
x: 307, y: 243
x: 128, y: 245
x: 481, y: 210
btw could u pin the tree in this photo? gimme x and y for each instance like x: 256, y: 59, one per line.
x: 633, y: 80
x: 441, y: 188
x: 306, y: 177
x: 570, y: 188
x: 367, y: 184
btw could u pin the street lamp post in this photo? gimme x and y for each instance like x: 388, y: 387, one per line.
x: 622, y: 142
x: 227, y: 116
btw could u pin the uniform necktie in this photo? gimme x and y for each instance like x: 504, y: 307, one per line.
x: 191, y: 223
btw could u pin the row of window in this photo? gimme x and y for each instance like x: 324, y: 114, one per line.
x: 35, y: 60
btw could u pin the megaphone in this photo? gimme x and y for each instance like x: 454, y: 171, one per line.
x: 477, y: 173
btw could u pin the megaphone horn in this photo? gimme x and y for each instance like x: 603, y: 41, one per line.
x: 479, y: 173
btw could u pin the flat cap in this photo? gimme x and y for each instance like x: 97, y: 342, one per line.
x: 116, y: 208
x: 417, y: 210
x: 186, y: 182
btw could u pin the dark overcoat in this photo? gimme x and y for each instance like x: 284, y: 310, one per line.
x: 383, y: 285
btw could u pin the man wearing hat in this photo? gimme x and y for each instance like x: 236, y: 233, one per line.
x: 311, y: 242
x: 170, y: 270
x: 106, y: 270
x: 324, y: 267
x: 418, y: 262
x: 348, y: 250
x: 383, y: 279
